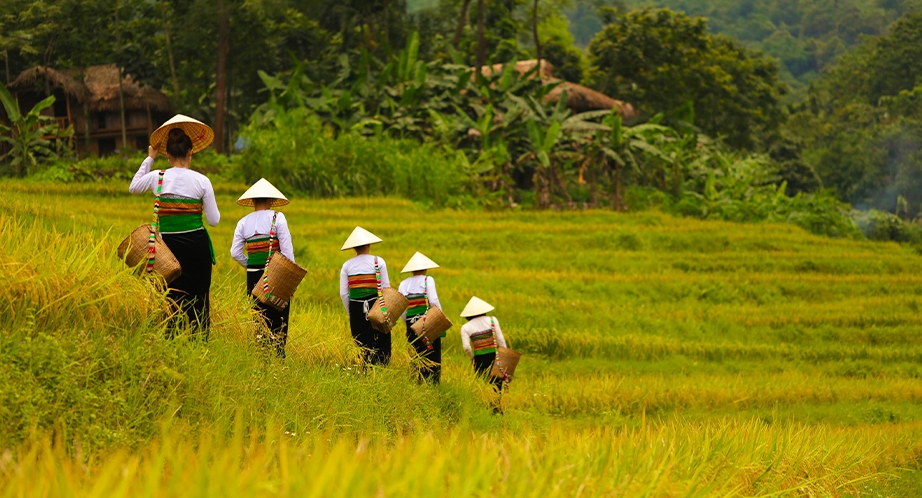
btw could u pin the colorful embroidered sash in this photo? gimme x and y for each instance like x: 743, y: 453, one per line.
x: 418, y: 305
x: 483, y: 342
x: 180, y: 214
x: 257, y: 248
x: 183, y: 214
x: 363, y: 286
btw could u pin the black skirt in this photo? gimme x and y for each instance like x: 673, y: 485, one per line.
x: 483, y: 363
x: 190, y: 292
x: 376, y: 347
x: 276, y: 321
x: 432, y: 372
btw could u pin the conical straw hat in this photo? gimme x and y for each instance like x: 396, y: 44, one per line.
x: 263, y: 190
x: 419, y: 261
x: 360, y: 237
x: 476, y: 306
x: 201, y: 134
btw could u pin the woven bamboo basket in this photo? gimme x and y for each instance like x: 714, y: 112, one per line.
x: 133, y: 250
x: 396, y: 304
x: 508, y: 359
x: 435, y: 324
x: 283, y: 276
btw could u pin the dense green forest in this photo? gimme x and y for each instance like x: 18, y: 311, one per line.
x: 737, y: 103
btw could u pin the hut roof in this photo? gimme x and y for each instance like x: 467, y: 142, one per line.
x: 583, y: 99
x: 579, y: 97
x: 521, y: 67
x: 102, y: 82
x: 38, y: 75
x: 97, y: 85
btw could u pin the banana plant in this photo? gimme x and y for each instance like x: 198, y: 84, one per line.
x: 627, y: 147
x: 540, y: 149
x: 28, y: 133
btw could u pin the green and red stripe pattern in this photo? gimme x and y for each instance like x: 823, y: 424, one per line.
x: 257, y: 249
x: 483, y: 342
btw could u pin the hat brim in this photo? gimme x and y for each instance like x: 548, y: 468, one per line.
x: 201, y: 135
x: 354, y: 245
x: 275, y: 202
x: 476, y: 307
x: 409, y: 268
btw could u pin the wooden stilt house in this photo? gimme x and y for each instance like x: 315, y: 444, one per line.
x: 89, y: 100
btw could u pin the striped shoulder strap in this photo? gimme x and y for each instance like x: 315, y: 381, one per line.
x: 269, y: 258
x: 152, y: 242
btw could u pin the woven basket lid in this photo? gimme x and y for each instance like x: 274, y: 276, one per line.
x: 418, y: 262
x: 476, y: 306
x: 263, y: 190
x: 360, y: 237
x: 201, y: 134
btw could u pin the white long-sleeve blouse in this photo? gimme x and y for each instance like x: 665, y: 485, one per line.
x: 476, y: 326
x: 362, y: 264
x: 178, y: 181
x: 260, y: 223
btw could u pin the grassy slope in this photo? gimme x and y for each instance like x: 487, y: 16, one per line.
x: 662, y: 328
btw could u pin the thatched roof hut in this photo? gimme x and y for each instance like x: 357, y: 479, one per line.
x: 39, y: 76
x: 579, y: 97
x: 97, y: 86
x: 88, y: 101
x: 522, y: 67
x: 584, y: 99
x: 102, y: 82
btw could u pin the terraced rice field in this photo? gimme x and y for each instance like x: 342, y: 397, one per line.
x: 663, y: 357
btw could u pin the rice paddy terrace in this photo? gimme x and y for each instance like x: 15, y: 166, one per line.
x: 663, y: 357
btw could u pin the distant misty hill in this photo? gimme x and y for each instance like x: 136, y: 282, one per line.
x: 804, y: 35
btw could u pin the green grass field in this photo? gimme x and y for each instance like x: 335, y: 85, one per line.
x: 662, y: 357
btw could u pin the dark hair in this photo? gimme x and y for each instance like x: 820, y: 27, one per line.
x: 261, y: 200
x: 178, y: 144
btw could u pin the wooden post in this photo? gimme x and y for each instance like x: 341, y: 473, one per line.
x: 86, y: 124
x: 70, y: 120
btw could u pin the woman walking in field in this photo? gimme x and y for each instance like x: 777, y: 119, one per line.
x: 481, y: 337
x: 253, y: 237
x: 184, y: 195
x: 420, y: 291
x: 359, y: 281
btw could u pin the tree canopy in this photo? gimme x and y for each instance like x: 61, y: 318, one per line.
x: 665, y: 61
x: 862, y: 124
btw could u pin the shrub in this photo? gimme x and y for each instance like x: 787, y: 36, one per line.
x: 296, y: 152
x: 124, y: 166
x: 880, y: 225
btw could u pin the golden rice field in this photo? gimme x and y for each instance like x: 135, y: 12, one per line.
x: 662, y: 357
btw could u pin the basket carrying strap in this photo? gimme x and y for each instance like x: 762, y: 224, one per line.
x: 155, y: 226
x: 381, y: 303
x: 426, y: 341
x: 499, y: 364
x: 269, y: 296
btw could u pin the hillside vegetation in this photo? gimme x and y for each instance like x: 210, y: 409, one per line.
x: 662, y: 356
x: 806, y: 36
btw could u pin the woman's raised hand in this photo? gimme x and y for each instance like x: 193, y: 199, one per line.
x: 151, y: 152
